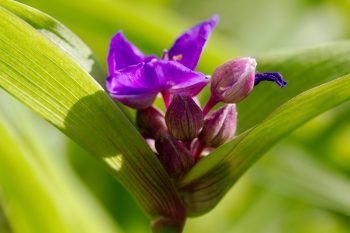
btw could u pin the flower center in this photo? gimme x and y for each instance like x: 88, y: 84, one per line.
x: 177, y: 57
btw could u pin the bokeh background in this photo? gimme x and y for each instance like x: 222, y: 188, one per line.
x: 301, y: 186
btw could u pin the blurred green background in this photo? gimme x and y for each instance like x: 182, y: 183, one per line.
x: 301, y: 186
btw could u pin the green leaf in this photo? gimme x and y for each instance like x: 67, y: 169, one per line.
x: 34, y: 183
x: 46, y: 79
x: 25, y: 207
x: 60, y: 35
x: 210, y: 179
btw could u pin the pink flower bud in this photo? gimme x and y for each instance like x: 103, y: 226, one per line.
x: 151, y: 121
x: 174, y: 156
x: 219, y: 127
x: 234, y: 80
x: 184, y: 118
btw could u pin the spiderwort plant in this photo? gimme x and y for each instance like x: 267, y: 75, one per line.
x: 52, y: 78
x: 181, y: 136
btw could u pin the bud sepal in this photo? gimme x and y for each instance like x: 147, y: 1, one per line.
x: 151, y: 121
x: 174, y: 156
x: 184, y: 118
x: 219, y: 127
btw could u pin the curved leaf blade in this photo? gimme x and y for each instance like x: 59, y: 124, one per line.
x: 30, y: 190
x: 47, y: 80
x: 25, y: 208
x: 58, y: 34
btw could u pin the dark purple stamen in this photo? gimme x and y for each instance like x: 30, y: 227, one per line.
x: 270, y: 76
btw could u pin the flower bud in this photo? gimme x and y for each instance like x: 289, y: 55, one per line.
x: 234, y: 80
x: 174, y: 156
x: 151, y: 121
x: 184, y: 118
x: 219, y: 127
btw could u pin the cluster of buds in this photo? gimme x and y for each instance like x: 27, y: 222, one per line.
x: 182, y: 135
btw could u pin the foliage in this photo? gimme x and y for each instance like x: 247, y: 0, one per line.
x: 45, y: 66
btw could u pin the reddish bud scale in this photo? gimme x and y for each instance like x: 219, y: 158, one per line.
x: 219, y: 127
x: 151, y: 121
x: 184, y: 118
x: 174, y: 156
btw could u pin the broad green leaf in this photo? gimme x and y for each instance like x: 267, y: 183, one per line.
x: 60, y: 35
x: 33, y: 184
x: 63, y: 38
x: 27, y: 211
x: 46, y: 79
x: 210, y: 179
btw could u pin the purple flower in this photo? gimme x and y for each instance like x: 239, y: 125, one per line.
x: 234, y: 80
x: 135, y: 79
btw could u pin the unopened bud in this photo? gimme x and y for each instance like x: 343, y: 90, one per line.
x: 174, y: 156
x: 234, y: 80
x: 219, y: 127
x: 184, y: 118
x: 151, y: 121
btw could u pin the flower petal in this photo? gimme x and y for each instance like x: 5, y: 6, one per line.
x: 137, y: 101
x: 138, y: 85
x: 175, y: 78
x: 122, y: 54
x: 270, y: 76
x: 188, y: 47
x: 134, y: 86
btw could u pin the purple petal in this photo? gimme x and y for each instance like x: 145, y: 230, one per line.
x: 188, y: 47
x: 137, y: 101
x: 122, y: 54
x: 178, y: 79
x: 270, y: 76
x: 138, y: 85
x: 135, y: 86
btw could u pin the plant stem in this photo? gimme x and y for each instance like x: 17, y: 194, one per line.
x: 209, y: 105
x: 166, y: 98
x: 166, y: 225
